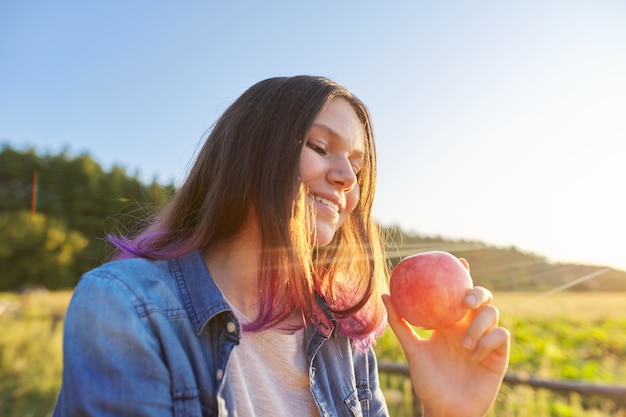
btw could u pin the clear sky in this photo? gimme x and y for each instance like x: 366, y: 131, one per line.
x: 498, y: 121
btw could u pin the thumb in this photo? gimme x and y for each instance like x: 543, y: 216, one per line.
x: 402, y: 329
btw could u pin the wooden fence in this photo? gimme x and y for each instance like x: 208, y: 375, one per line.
x: 615, y: 393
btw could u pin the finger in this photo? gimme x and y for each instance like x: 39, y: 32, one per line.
x: 476, y: 297
x: 403, y: 330
x: 465, y: 263
x: 497, y: 341
x: 483, y: 321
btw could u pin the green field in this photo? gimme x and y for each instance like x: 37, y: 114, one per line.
x: 571, y: 336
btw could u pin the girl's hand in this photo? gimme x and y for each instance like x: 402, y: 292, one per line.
x: 458, y: 371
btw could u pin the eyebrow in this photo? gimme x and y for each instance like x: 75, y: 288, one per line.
x: 357, y: 152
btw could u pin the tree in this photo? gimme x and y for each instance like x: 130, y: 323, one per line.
x: 77, y: 190
x: 38, y: 250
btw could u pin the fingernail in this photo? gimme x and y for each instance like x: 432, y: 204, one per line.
x: 471, y: 300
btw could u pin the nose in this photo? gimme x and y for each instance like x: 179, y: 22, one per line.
x: 342, y: 174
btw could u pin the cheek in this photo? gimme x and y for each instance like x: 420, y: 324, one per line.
x: 352, y: 199
x: 307, y: 167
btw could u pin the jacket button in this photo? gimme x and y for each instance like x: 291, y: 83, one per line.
x: 231, y: 327
x: 219, y: 374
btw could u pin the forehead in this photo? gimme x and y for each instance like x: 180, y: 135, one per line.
x: 340, y: 119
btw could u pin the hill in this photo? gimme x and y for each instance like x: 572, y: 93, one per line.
x: 508, y: 268
x: 55, y: 211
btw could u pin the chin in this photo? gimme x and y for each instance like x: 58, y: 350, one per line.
x: 324, y: 234
x: 322, y: 242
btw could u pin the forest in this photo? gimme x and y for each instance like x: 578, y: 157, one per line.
x: 57, y: 209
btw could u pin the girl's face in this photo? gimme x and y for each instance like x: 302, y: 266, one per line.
x: 329, y: 164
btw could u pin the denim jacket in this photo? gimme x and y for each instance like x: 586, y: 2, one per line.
x: 153, y: 338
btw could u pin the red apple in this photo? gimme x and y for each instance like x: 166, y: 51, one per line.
x: 427, y: 289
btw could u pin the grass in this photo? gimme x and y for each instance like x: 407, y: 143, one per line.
x: 586, y: 306
x: 565, y: 335
x: 30, y: 352
x: 575, y: 336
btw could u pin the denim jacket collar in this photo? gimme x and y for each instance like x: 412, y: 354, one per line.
x: 203, y: 300
x: 200, y: 295
x: 324, y: 320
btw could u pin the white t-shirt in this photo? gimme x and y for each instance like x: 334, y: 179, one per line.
x: 269, y: 374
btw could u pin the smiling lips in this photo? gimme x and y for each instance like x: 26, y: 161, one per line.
x: 334, y: 207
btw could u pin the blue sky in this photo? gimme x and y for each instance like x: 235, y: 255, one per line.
x: 495, y: 121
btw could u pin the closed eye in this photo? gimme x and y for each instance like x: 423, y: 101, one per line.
x: 316, y: 148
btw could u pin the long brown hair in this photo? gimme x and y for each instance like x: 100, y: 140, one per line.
x: 250, y: 159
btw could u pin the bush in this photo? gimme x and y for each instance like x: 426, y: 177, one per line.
x: 38, y: 250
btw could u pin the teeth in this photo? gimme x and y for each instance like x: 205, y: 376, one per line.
x: 327, y: 203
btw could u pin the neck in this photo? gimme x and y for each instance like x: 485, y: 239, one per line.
x: 234, y: 265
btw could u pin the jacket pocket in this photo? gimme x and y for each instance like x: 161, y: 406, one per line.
x: 358, y: 401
